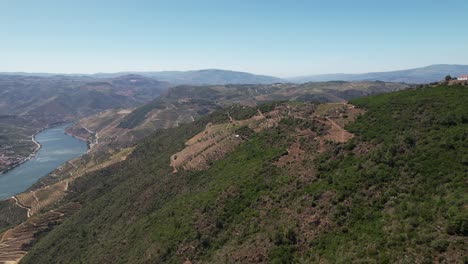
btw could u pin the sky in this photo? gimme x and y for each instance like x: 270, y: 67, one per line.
x: 275, y: 37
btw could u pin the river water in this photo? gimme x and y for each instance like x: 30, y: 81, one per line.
x: 56, y: 148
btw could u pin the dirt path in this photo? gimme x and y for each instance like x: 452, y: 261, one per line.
x: 89, y: 131
x: 21, y: 206
x: 35, y: 197
x: 96, y: 138
x: 260, y: 113
x: 230, y: 117
x: 38, y: 146
x: 12, y: 241
x: 343, y: 135
x: 73, y: 164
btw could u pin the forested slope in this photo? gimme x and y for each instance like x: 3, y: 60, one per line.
x: 297, y: 188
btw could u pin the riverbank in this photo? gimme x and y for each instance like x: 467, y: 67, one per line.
x: 53, y: 148
x: 32, y: 155
x: 90, y: 143
x: 38, y: 145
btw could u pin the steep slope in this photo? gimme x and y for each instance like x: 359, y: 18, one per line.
x: 384, y: 182
x: 432, y: 73
x: 29, y: 104
x: 208, y: 98
x: 184, y: 104
x: 64, y: 95
x: 15, y: 139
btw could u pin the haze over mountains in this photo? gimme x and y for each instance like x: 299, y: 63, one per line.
x: 73, y: 95
x: 203, y: 77
x: 378, y: 178
x: 267, y: 172
x: 426, y: 74
x: 239, y: 132
x: 198, y: 77
x: 37, y: 100
x: 29, y: 104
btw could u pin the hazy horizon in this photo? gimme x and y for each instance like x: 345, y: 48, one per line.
x: 276, y: 38
x: 285, y: 77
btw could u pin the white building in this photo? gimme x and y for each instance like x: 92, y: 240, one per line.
x: 463, y: 78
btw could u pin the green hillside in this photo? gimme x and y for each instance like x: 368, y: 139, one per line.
x: 205, y: 99
x: 289, y: 192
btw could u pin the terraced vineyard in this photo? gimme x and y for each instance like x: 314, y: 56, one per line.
x: 15, y: 242
x: 379, y: 178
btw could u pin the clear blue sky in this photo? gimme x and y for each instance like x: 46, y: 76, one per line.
x: 283, y: 38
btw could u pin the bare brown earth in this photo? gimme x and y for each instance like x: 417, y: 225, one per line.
x: 336, y: 116
x: 217, y: 140
x: 311, y: 221
x: 211, y: 144
x: 332, y: 118
x: 42, y: 198
x: 102, y: 130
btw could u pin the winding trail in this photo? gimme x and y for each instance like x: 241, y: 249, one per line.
x: 89, y: 131
x: 343, y: 133
x: 22, y: 206
x: 35, y: 197
x: 96, y: 138
x: 37, y: 144
x: 230, y: 117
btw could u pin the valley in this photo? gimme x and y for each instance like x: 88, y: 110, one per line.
x: 171, y: 169
x: 56, y: 148
x: 112, y: 134
x: 237, y: 132
x: 301, y: 181
x: 29, y: 104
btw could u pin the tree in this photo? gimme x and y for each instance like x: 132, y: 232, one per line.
x: 448, y: 78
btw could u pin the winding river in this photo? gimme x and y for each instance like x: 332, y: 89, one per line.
x: 56, y: 148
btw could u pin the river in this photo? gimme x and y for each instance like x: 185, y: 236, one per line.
x: 56, y: 148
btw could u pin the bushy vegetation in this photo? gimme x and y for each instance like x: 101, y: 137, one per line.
x: 138, y: 115
x: 396, y: 192
x: 10, y: 214
x: 408, y: 194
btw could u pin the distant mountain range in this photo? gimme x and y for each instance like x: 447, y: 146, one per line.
x: 31, y: 103
x: 199, y: 77
x: 380, y: 179
x: 203, y: 77
x: 74, y: 96
x: 427, y: 74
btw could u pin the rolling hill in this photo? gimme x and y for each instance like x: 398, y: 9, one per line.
x: 382, y: 178
x: 427, y: 74
x: 204, y: 77
x: 67, y: 95
x: 29, y: 104
x: 112, y: 133
x: 184, y: 104
x: 197, y: 77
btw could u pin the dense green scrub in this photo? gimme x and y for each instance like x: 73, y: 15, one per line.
x: 396, y: 192
x: 408, y: 194
x: 11, y: 214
